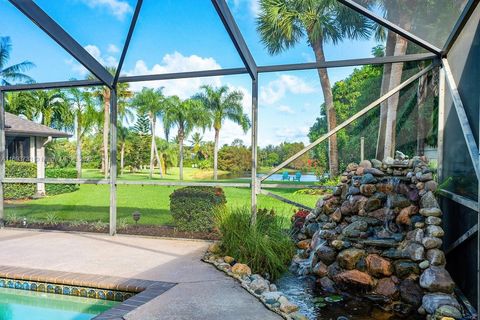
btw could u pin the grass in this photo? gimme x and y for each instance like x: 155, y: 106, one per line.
x: 91, y: 202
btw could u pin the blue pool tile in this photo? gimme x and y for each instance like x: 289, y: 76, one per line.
x: 33, y: 286
x: 2, y: 283
x: 101, y: 294
x: 26, y: 286
x: 66, y: 291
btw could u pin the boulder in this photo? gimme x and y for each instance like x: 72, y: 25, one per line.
x: 410, y: 292
x: 415, y: 251
x: 405, y: 268
x: 304, y: 244
x: 320, y: 269
x: 372, y: 204
x: 431, y: 302
x: 399, y: 201
x: 365, y: 164
x: 271, y: 297
x: 428, y: 200
x: 431, y: 186
x: 241, y: 270
x: 378, y: 266
x: 405, y: 214
x: 326, y: 254
x: 368, y: 178
x: 348, y: 258
x: 327, y: 285
x: 354, y: 229
x: 379, y: 214
x: 436, y: 221
x: 435, y: 231
x: 437, y: 279
x: 336, y: 216
x: 386, y: 287
x: 431, y: 212
x: 355, y: 278
x: 448, y: 312
x: 374, y: 171
x: 431, y: 243
x: 436, y: 257
x: 367, y: 189
x: 287, y: 306
x: 259, y: 285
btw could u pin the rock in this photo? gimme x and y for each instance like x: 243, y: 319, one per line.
x: 384, y: 187
x: 372, y: 204
x: 437, y: 279
x: 431, y: 302
x: 320, y: 269
x: 378, y: 266
x: 419, y: 225
x: 214, y: 248
x: 405, y: 214
x: 311, y: 229
x: 435, y: 231
x: 365, y: 164
x: 433, y: 221
x: 271, y: 297
x: 356, y: 203
x: 354, y: 229
x: 356, y: 278
x: 431, y: 243
x: 327, y: 285
x: 304, y: 244
x: 415, y: 251
x: 423, y: 177
x: 368, y: 178
x: 416, y: 235
x: 337, y: 244
x: 259, y: 285
x: 286, y: 306
x: 359, y: 171
x: 379, y: 214
x: 352, y: 166
x: 399, y: 201
x: 327, y: 234
x: 448, y: 311
x: 241, y: 270
x: 431, y: 186
x: 389, y: 161
x: 413, y: 195
x: 326, y: 254
x: 386, y: 287
x: 374, y: 171
x: 393, y: 253
x: 273, y: 287
x: 410, y: 292
x: 336, y: 216
x: 334, y: 269
x: 297, y: 316
x: 380, y: 243
x: 403, y: 269
x: 436, y: 257
x: 329, y: 226
x: 348, y: 258
x: 428, y: 200
x: 228, y: 259
x: 424, y: 264
x: 368, y: 189
x: 431, y: 212
x: 376, y: 163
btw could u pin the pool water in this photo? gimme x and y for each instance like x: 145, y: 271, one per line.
x: 21, y: 304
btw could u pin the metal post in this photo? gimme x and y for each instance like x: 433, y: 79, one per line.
x: 362, y: 148
x: 255, y: 182
x: 113, y: 161
x: 441, y: 124
x: 2, y: 156
x: 478, y: 235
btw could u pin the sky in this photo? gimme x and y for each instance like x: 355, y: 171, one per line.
x: 182, y: 35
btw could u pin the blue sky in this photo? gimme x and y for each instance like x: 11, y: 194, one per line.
x: 181, y: 35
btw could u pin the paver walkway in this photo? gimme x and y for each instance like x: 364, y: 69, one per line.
x: 202, y: 291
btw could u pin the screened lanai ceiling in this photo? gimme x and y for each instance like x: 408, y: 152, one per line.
x: 197, y: 35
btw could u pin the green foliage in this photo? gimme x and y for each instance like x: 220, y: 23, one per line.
x: 193, y: 208
x: 266, y: 247
x: 16, y: 169
x: 142, y: 125
x: 234, y: 158
x: 273, y: 155
x: 53, y: 189
x: 60, y: 154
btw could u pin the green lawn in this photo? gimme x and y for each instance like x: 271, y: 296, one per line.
x: 91, y: 202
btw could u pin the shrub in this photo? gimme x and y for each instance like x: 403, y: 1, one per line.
x: 193, y: 208
x: 53, y: 189
x: 17, y: 169
x: 266, y: 247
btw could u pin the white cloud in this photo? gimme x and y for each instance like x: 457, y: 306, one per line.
x: 113, y: 48
x: 105, y: 60
x: 277, y: 89
x: 294, y: 134
x: 117, y: 8
x: 285, y: 109
x: 253, y: 6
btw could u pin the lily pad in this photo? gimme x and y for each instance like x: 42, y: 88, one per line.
x: 334, y: 298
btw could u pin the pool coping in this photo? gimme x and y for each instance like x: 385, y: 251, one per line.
x: 142, y: 290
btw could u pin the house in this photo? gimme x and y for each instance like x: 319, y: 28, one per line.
x: 26, y: 140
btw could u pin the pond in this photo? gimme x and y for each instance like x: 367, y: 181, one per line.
x: 302, y: 291
x: 307, y: 177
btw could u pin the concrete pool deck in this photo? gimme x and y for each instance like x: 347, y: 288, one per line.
x: 202, y: 292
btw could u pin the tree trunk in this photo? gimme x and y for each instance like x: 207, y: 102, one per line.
x: 422, y: 95
x: 160, y: 169
x: 215, y: 154
x: 78, y: 163
x: 395, y: 80
x: 329, y: 106
x: 122, y: 156
x: 180, y: 143
x: 106, y: 128
x: 152, y: 148
x: 387, y: 69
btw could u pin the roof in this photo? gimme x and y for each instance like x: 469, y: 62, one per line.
x: 15, y: 125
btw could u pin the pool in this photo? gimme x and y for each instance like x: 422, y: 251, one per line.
x: 32, y: 305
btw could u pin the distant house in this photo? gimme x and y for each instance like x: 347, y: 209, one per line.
x: 26, y: 141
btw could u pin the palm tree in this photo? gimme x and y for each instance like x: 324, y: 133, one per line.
x: 283, y: 23
x: 103, y: 95
x: 185, y: 115
x: 86, y: 116
x: 151, y: 102
x: 14, y: 73
x: 222, y: 104
x: 123, y: 135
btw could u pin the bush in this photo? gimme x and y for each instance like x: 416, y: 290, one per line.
x: 16, y: 169
x: 193, y: 208
x: 266, y: 247
x: 66, y: 173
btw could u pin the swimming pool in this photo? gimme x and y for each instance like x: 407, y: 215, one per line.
x: 32, y: 305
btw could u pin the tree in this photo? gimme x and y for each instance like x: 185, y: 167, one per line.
x: 123, y: 135
x: 185, y: 115
x: 86, y: 116
x: 142, y: 125
x: 13, y: 73
x: 151, y: 102
x: 283, y: 23
x: 223, y: 104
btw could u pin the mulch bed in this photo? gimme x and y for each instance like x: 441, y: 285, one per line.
x: 140, y: 229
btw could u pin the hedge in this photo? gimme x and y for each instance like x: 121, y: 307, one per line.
x: 16, y: 169
x: 193, y: 208
x: 66, y: 173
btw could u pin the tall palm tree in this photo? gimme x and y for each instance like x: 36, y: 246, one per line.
x: 284, y: 23
x: 151, y: 102
x: 86, y: 116
x: 123, y: 136
x: 13, y: 73
x: 103, y: 95
x: 222, y: 104
x: 185, y: 115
